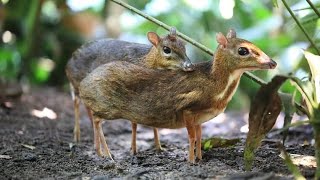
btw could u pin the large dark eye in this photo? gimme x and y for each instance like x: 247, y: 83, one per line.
x: 243, y: 51
x: 166, y: 50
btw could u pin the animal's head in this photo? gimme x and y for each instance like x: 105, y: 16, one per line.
x: 241, y: 54
x: 171, y: 50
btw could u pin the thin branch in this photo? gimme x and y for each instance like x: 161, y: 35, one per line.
x: 296, y: 124
x: 306, y: 8
x: 314, y: 8
x: 303, y: 92
x: 300, y: 26
x: 183, y: 36
x: 164, y: 26
x: 302, y: 109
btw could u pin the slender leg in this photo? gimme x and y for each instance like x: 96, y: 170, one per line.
x: 198, y: 135
x: 90, y: 114
x: 76, y: 131
x: 97, y: 142
x: 106, y: 151
x: 156, y: 139
x: 134, y: 138
x: 192, y: 136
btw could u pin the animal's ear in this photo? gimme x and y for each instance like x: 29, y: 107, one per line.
x: 221, y: 39
x: 232, y: 33
x: 153, y: 38
x: 173, y: 34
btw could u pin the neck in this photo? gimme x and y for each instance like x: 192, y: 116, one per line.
x: 226, y: 81
x: 151, y: 59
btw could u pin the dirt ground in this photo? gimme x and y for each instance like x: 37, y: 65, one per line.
x: 42, y: 148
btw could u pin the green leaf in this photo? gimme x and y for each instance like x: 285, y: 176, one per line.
x: 314, y: 63
x: 289, y: 110
x: 207, y: 145
x: 218, y: 142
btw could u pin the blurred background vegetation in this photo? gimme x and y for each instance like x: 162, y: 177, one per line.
x: 38, y: 36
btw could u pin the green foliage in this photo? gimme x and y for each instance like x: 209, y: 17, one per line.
x: 9, y: 62
x: 35, y: 34
x: 210, y: 143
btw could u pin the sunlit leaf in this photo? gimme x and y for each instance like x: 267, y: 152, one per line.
x: 289, y: 110
x: 218, y: 142
x: 314, y: 63
x: 264, y: 111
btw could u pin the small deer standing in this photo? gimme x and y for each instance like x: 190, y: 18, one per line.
x: 167, y: 52
x: 170, y: 99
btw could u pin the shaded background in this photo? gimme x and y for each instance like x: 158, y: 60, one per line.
x: 38, y: 36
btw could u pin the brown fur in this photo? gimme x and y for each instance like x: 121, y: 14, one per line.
x: 94, y: 54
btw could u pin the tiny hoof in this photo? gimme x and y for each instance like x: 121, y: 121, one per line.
x: 159, y: 149
x: 133, y: 153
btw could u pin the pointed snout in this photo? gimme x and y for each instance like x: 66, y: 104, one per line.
x: 272, y: 64
x: 267, y: 62
x: 187, y: 64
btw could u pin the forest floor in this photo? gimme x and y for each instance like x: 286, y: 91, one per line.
x: 34, y: 148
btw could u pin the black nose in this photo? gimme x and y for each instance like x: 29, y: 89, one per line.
x: 272, y: 64
x: 187, y: 66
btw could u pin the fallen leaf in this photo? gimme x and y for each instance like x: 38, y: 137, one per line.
x: 264, y: 111
x: 301, y: 160
x: 28, y: 146
x: 5, y: 157
x: 218, y: 142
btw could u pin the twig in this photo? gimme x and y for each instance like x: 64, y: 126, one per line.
x: 306, y: 8
x: 299, y: 123
x: 183, y: 36
x: 300, y: 26
x: 314, y: 8
x: 164, y: 26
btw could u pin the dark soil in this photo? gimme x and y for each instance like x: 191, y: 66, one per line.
x: 55, y: 156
